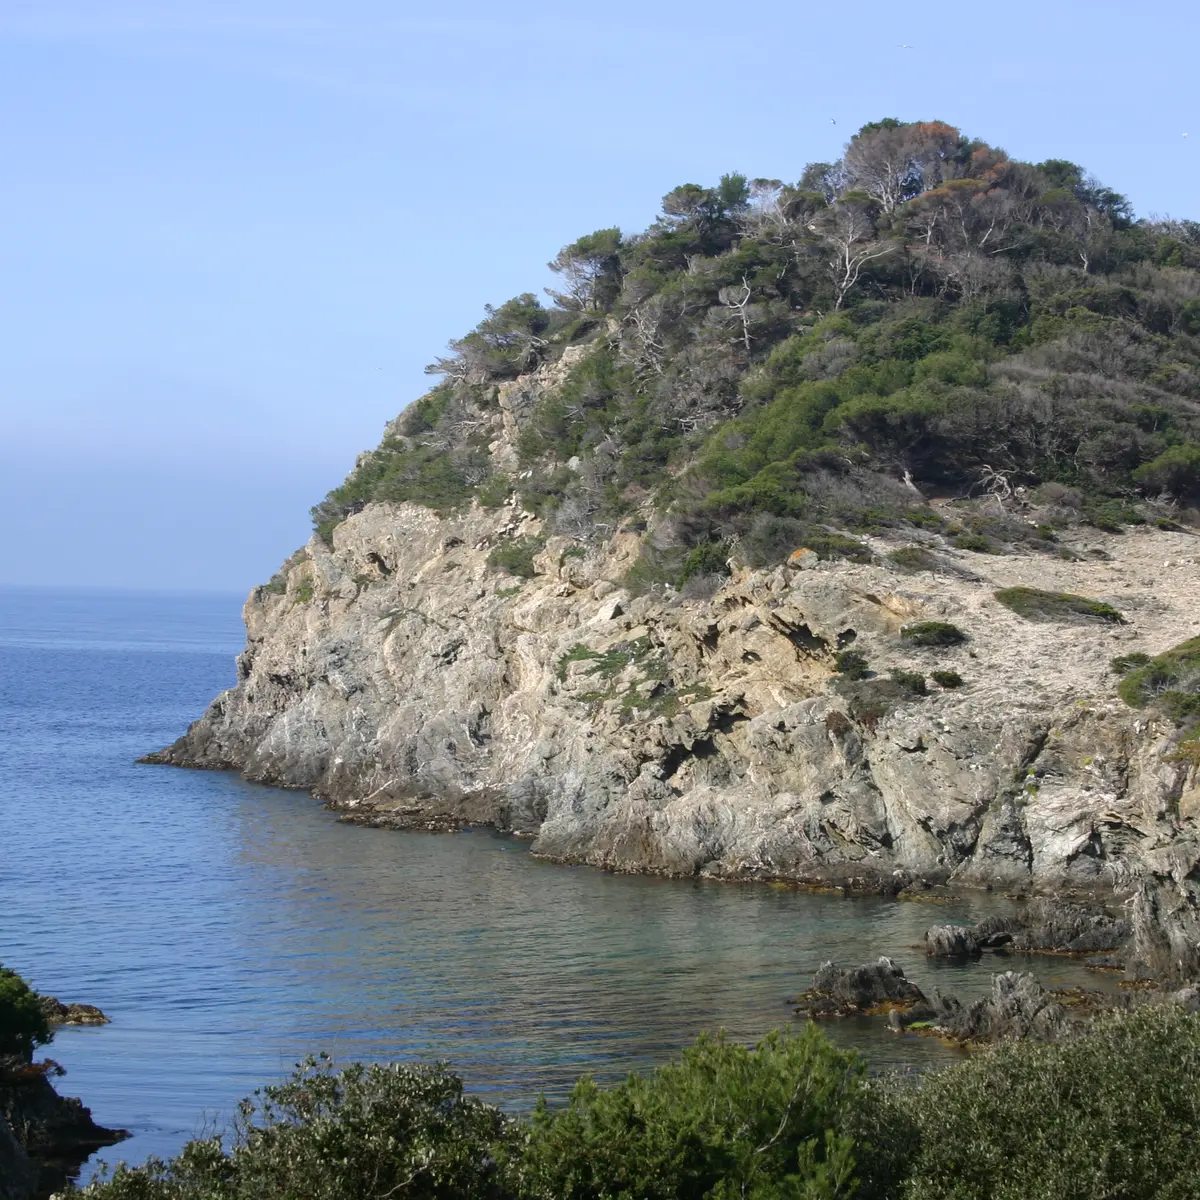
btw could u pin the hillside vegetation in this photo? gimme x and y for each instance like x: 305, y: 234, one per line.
x: 925, y: 317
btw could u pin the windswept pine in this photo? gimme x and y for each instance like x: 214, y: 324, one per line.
x: 926, y: 317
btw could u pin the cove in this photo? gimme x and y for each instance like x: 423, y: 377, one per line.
x: 229, y: 929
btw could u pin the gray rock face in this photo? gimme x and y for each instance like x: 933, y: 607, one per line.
x: 401, y: 678
x: 1018, y: 1007
x: 951, y: 941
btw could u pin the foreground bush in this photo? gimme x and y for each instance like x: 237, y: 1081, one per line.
x: 726, y: 1121
x: 1114, y: 1114
x: 359, y: 1133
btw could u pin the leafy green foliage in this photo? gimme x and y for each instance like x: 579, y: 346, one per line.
x: 933, y: 633
x: 1110, y: 1112
x: 358, y: 1133
x: 708, y: 558
x: 910, y: 681
x: 23, y: 1025
x: 1034, y: 604
x: 516, y: 557
x: 1113, y: 1113
x: 852, y: 664
x: 1169, y: 682
x: 1124, y: 663
x: 724, y: 1122
x: 926, y: 315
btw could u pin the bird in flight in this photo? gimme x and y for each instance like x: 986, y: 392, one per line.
x: 833, y: 122
x: 904, y: 46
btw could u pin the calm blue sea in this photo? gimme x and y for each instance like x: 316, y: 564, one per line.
x: 229, y: 929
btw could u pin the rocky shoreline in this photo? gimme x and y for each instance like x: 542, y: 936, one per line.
x: 46, y: 1137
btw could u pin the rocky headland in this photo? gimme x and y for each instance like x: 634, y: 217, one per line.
x: 398, y: 675
x: 735, y: 563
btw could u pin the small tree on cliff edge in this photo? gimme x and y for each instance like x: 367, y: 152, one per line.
x: 23, y: 1025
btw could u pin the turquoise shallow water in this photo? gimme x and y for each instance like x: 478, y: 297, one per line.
x: 229, y: 929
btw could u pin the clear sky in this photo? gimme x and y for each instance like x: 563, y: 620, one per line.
x: 232, y: 232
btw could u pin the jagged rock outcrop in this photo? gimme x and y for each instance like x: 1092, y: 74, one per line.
x: 847, y: 991
x: 59, y: 1013
x: 1041, y: 927
x: 401, y: 677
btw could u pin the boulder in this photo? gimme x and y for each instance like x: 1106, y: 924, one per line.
x: 874, y: 987
x: 1018, y: 1007
x: 58, y: 1013
x: 951, y: 941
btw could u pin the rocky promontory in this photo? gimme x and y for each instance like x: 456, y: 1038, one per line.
x: 737, y: 563
x: 403, y: 677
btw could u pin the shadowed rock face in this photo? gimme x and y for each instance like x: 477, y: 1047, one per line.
x: 44, y: 1137
x: 407, y: 682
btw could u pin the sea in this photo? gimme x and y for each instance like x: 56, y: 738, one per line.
x: 230, y: 929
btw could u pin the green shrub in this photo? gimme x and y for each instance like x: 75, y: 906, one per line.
x: 1112, y: 1114
x: 910, y: 681
x: 516, y: 557
x: 23, y: 1025
x: 947, y: 679
x: 724, y: 1122
x: 933, y: 633
x: 913, y: 558
x: 1169, y: 682
x: 708, y: 558
x: 1036, y: 605
x: 974, y: 541
x: 359, y: 1133
x: 852, y: 664
x: 1124, y: 663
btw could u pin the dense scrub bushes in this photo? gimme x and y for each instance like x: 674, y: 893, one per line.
x: 23, y: 1024
x: 1115, y: 1112
x: 924, y: 316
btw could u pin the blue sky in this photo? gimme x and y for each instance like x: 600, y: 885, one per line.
x: 233, y: 232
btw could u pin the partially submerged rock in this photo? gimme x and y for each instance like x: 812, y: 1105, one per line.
x: 1018, y: 1007
x: 1043, y: 927
x: 872, y: 988
x: 58, y: 1013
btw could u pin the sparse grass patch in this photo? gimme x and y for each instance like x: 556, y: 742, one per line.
x: 516, y: 557
x: 1169, y: 682
x: 913, y: 558
x: 852, y: 664
x: 933, y: 633
x: 947, y: 679
x: 1036, y: 605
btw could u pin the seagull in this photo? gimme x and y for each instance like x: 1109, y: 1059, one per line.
x: 904, y: 46
x: 833, y: 122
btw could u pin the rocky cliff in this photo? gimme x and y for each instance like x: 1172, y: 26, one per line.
x: 398, y: 675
